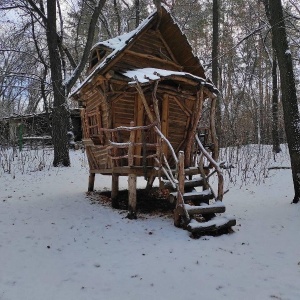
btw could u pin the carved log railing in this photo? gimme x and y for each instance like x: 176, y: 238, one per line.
x: 220, y: 193
x: 129, y: 146
x: 162, y: 160
x: 180, y: 210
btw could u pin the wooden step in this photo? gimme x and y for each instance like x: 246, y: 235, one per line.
x: 203, y: 208
x: 199, y: 196
x: 215, y: 224
x: 193, y: 182
x: 187, y: 183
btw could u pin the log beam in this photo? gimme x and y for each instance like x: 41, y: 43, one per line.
x: 131, y: 196
x: 91, y: 182
x: 114, y: 190
x: 163, y: 62
x: 194, y: 121
x: 147, y: 108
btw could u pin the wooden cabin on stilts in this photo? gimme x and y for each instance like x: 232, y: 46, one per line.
x: 148, y: 110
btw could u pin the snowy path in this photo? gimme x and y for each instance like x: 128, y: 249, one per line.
x: 54, y: 244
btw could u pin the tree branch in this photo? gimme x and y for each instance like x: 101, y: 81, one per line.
x: 88, y: 46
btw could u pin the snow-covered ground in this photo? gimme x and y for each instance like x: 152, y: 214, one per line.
x: 56, y: 244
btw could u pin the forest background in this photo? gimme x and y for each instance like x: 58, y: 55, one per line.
x: 245, y: 64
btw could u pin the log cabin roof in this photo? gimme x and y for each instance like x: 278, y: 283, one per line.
x: 172, y: 35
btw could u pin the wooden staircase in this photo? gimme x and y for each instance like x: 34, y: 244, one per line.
x: 198, y: 211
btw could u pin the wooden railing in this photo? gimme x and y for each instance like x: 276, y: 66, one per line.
x: 130, y: 146
x: 217, y: 168
x: 130, y: 153
x: 162, y: 160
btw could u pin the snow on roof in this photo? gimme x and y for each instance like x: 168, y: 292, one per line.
x: 117, y: 44
x: 146, y: 75
x: 120, y: 41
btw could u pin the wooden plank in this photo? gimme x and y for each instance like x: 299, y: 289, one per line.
x: 154, y: 58
x: 217, y: 207
x: 215, y: 224
x: 139, y: 119
x: 187, y: 183
x: 146, y: 62
x: 185, y: 109
x: 167, y: 47
x: 174, y: 92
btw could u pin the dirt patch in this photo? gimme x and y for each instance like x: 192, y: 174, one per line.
x: 153, y: 202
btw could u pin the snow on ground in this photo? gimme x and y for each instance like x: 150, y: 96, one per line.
x: 55, y: 244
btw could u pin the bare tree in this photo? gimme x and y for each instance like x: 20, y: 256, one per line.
x: 275, y: 100
x: 215, y: 68
x: 275, y: 15
x: 62, y: 87
x: 137, y: 12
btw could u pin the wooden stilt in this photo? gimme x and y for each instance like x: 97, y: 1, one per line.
x: 91, y: 182
x: 114, y: 190
x: 131, y: 196
x: 150, y: 182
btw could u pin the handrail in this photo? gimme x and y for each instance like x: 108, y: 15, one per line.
x: 170, y: 176
x: 217, y: 168
x: 167, y: 142
x: 180, y: 210
x: 113, y: 145
x: 128, y: 128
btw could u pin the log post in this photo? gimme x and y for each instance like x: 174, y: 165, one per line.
x: 180, y: 190
x: 139, y: 118
x: 131, y: 146
x: 155, y: 105
x: 147, y: 108
x: 91, y: 182
x: 150, y: 182
x: 195, y: 120
x: 114, y: 190
x: 131, y: 196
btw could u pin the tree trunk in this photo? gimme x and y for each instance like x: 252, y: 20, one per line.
x: 137, y: 13
x: 60, y: 111
x: 275, y: 15
x: 118, y: 16
x: 215, y: 66
x: 275, y: 135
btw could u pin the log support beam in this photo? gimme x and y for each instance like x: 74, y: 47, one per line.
x: 150, y: 182
x: 115, y: 190
x: 131, y: 196
x: 91, y: 182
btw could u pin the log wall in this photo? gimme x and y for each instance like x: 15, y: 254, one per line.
x: 179, y: 122
x: 151, y: 43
